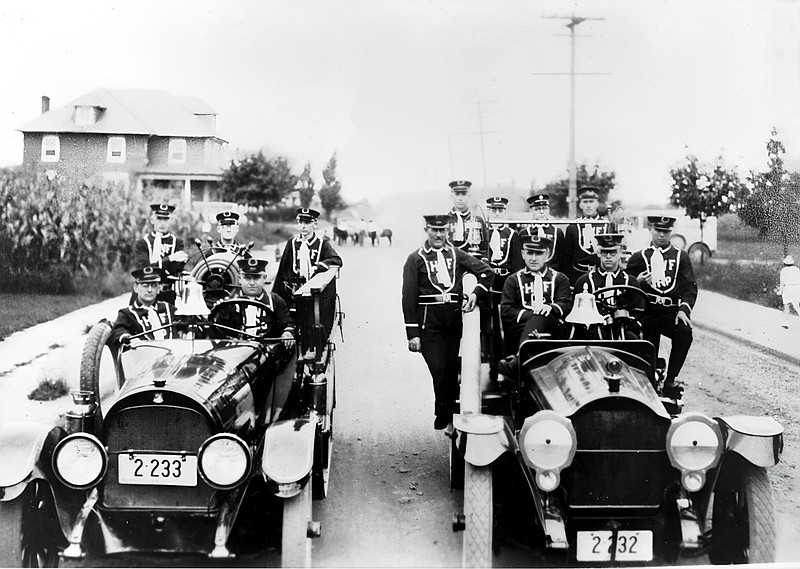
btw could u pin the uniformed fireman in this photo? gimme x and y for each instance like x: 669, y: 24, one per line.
x: 579, y: 240
x: 539, y: 205
x: 609, y: 272
x: 161, y: 248
x: 305, y: 255
x: 467, y: 229
x: 534, y: 298
x: 145, y: 313
x: 228, y: 228
x: 433, y: 300
x: 665, y: 274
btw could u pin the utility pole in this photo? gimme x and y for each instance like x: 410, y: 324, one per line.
x: 483, y: 152
x: 574, y: 21
x: 480, y: 132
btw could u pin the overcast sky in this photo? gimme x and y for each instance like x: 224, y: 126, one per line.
x: 395, y: 87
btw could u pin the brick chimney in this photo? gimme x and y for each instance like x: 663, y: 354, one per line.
x: 45, y: 104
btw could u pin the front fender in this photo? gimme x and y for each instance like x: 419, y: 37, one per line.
x: 25, y: 447
x: 481, y: 438
x: 757, y: 439
x: 288, y: 450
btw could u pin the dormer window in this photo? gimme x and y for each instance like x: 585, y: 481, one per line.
x: 51, y: 149
x: 116, y: 149
x: 85, y: 115
x: 177, y: 151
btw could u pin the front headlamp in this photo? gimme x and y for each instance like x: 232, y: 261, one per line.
x: 224, y: 461
x: 694, y: 445
x: 80, y: 460
x: 547, y: 442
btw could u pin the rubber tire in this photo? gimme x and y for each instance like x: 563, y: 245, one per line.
x: 295, y: 543
x: 678, y: 240
x: 29, y: 534
x: 743, y: 518
x: 478, y: 516
x: 699, y: 253
x: 456, y: 467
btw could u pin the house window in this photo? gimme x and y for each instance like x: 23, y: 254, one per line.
x: 177, y: 150
x: 85, y: 115
x: 50, y: 148
x: 116, y: 149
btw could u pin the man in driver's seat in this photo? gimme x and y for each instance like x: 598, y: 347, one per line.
x: 274, y: 322
x: 609, y: 273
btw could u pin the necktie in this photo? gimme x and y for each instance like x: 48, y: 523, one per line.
x: 538, y: 290
x: 587, y: 234
x: 304, y: 258
x: 442, y: 274
x: 251, y: 316
x: 609, y: 279
x: 540, y: 229
x: 155, y: 322
x: 495, y: 244
x: 155, y: 254
x: 658, y: 267
x: 458, y: 234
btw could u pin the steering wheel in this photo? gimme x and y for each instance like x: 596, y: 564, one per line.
x: 217, y: 272
x: 228, y: 309
x: 618, y: 299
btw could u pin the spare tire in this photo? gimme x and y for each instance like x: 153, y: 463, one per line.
x: 97, y: 363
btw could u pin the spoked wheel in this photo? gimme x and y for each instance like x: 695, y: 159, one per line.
x: 216, y: 270
x: 456, y: 466
x: 478, y: 516
x: 295, y: 543
x: 98, y: 372
x: 743, y: 518
x: 29, y: 532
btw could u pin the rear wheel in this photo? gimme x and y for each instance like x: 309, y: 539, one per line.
x: 699, y: 253
x: 29, y: 532
x: 743, y: 518
x: 478, y: 516
x: 295, y: 543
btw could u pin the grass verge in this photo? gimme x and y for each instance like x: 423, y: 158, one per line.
x: 23, y: 310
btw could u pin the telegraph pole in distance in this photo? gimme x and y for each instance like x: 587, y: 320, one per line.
x: 480, y: 132
x: 573, y: 175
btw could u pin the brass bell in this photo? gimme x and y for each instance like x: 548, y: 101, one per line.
x: 584, y: 309
x: 192, y: 303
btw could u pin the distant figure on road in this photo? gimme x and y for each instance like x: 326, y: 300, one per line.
x: 789, y: 286
x: 372, y: 231
x: 665, y: 274
x: 386, y: 232
x: 161, y: 249
x: 432, y: 303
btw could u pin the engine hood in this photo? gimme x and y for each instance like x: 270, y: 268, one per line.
x: 578, y: 376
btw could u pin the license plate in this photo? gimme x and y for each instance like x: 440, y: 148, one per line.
x: 631, y: 545
x: 157, y: 469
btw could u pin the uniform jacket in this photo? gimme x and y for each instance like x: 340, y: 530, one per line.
x: 679, y: 288
x: 518, y: 295
x: 233, y: 248
x: 270, y: 324
x: 472, y: 240
x: 597, y: 279
x: 555, y: 260
x: 144, y: 254
x: 137, y: 318
x: 579, y: 242
x: 322, y: 256
x: 510, y: 251
x: 421, y: 278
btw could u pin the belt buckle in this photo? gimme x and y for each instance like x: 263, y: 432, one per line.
x: 446, y: 297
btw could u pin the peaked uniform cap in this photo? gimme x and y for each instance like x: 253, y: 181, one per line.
x: 437, y: 221
x: 460, y: 185
x: 538, y: 199
x: 307, y: 214
x: 227, y: 217
x: 497, y: 202
x: 149, y: 275
x: 252, y: 266
x: 609, y: 240
x: 162, y: 209
x: 588, y: 193
x: 536, y: 243
x: 663, y: 222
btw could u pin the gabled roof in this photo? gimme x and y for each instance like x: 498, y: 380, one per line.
x: 130, y: 111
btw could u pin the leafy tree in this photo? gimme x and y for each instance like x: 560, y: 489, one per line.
x: 559, y: 190
x: 330, y: 194
x: 257, y: 180
x: 305, y: 186
x: 704, y: 193
x: 773, y: 204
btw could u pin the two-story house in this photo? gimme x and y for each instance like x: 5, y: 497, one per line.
x: 146, y: 138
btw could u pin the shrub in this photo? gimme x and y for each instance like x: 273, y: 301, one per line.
x: 49, y: 389
x: 752, y: 282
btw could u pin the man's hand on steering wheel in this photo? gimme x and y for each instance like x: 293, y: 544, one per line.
x: 623, y: 297
x: 228, y: 304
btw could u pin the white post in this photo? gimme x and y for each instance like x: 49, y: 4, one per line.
x: 471, y: 355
